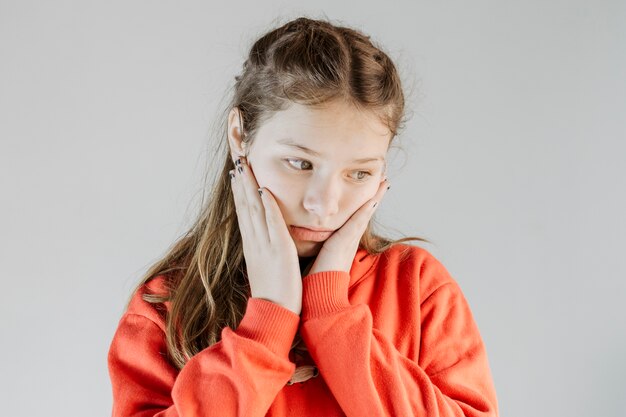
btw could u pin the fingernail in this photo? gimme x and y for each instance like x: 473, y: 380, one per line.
x: 260, y: 192
x: 238, y: 162
x: 389, y: 186
x: 231, y: 174
x: 375, y: 204
x: 240, y: 169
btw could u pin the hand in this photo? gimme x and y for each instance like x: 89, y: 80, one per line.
x: 339, y: 249
x: 271, y: 255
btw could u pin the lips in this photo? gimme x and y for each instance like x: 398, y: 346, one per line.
x: 315, y: 229
x: 310, y: 234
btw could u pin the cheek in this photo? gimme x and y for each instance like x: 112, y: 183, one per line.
x: 284, y: 187
x: 356, y: 198
x: 266, y: 175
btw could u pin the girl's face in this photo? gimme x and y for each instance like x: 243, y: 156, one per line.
x: 321, y: 165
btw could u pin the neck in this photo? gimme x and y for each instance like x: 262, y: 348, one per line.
x: 305, y: 264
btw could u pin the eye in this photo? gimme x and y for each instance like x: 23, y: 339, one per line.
x: 302, y: 164
x: 362, y: 175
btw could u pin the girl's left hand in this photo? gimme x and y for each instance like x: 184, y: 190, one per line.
x: 339, y: 249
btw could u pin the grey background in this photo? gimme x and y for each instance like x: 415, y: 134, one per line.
x: 513, y: 165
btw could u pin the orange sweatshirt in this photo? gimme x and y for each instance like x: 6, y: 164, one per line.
x: 394, y: 337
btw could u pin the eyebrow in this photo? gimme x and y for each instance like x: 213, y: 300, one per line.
x: 290, y: 142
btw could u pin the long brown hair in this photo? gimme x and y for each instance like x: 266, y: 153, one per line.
x: 306, y: 61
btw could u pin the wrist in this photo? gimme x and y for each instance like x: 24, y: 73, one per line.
x: 324, y: 292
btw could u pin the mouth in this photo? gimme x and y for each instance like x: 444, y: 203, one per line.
x: 310, y: 234
x: 315, y: 229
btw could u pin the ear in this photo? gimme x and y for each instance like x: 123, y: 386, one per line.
x: 235, y: 135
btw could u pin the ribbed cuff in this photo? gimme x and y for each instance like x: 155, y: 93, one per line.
x: 270, y: 324
x: 324, y: 292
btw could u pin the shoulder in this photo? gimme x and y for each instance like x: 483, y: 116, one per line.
x: 418, y: 266
x: 138, y: 306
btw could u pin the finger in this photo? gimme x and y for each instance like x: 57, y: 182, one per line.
x: 243, y: 218
x: 254, y: 205
x: 277, y: 228
x: 382, y: 190
x: 368, y: 208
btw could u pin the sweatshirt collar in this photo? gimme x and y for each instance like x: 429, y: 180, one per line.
x: 362, y: 265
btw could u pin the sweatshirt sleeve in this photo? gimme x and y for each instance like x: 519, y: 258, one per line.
x: 369, y: 376
x: 238, y: 376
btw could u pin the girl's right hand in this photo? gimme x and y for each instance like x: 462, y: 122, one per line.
x: 271, y: 255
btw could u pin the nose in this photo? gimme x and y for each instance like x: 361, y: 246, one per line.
x: 321, y: 198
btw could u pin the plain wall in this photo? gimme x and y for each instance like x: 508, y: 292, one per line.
x: 513, y: 164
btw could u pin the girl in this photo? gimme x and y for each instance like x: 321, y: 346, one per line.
x: 281, y: 300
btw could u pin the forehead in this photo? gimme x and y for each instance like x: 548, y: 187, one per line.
x: 335, y: 127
